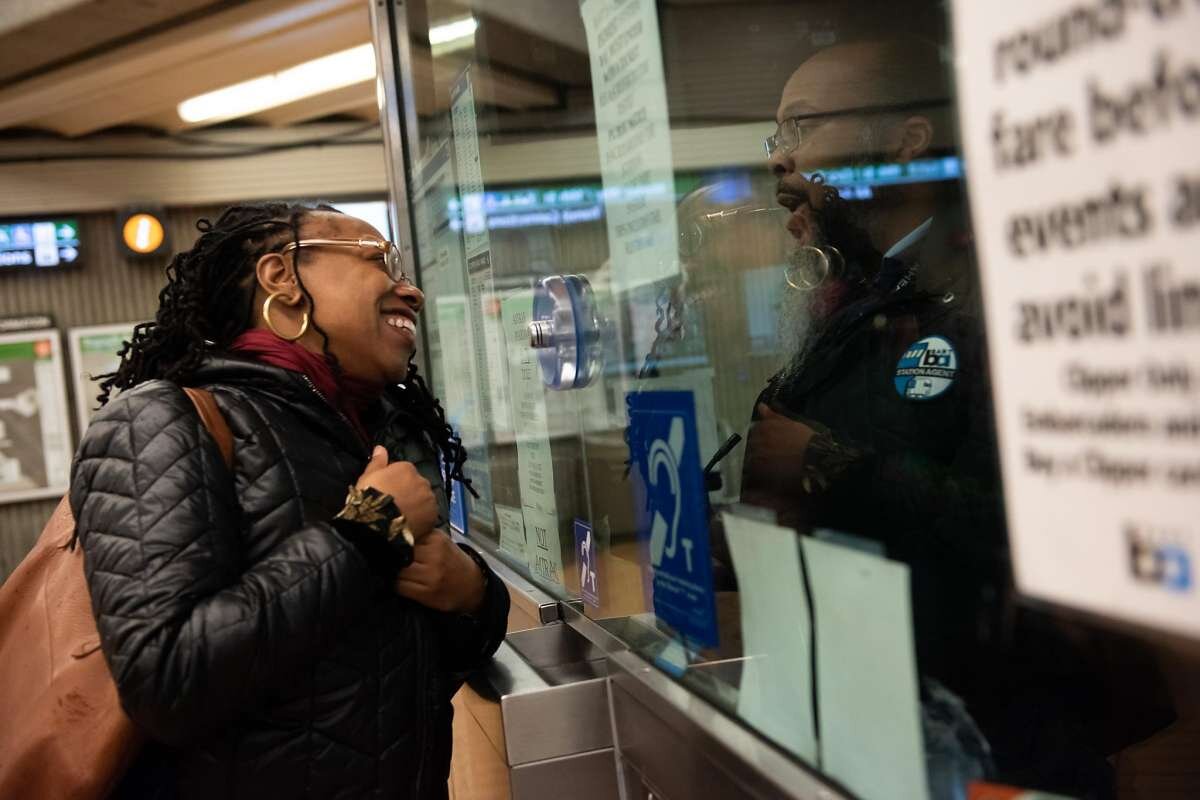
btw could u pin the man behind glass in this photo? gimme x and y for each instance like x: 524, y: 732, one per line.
x: 879, y: 423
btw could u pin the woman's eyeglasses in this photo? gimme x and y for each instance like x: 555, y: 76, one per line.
x: 393, y: 264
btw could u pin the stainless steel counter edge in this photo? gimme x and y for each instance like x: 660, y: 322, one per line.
x: 763, y: 769
x: 721, y: 739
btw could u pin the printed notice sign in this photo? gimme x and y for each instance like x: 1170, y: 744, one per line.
x: 450, y: 327
x: 462, y: 396
x: 35, y: 437
x: 439, y: 246
x: 489, y: 344
x: 512, y: 532
x: 492, y: 389
x: 94, y: 352
x: 534, y: 457
x: 468, y: 166
x: 633, y: 132
x: 1080, y: 124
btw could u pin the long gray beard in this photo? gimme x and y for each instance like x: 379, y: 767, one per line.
x: 795, y: 325
x: 798, y: 318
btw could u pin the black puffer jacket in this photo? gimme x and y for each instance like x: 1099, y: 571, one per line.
x: 257, y: 647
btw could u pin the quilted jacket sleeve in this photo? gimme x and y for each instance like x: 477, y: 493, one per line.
x: 193, y: 635
x: 468, y: 642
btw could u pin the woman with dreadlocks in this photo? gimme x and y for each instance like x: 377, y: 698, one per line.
x: 291, y: 625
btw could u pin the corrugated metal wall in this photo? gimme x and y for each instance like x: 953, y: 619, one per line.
x: 105, y: 287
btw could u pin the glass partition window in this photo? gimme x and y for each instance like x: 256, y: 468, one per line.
x: 703, y: 307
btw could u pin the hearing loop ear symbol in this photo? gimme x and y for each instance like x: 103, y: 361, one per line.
x: 266, y: 315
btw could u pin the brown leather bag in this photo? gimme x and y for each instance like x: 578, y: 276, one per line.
x: 64, y: 733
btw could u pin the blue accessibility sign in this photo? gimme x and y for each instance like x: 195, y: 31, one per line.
x: 458, y: 501
x: 589, y: 564
x: 672, y: 515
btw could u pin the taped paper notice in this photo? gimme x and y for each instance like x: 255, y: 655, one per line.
x: 775, y: 695
x: 633, y: 131
x: 468, y: 166
x: 463, y: 397
x: 534, y: 458
x: 488, y: 336
x: 512, y: 532
x: 866, y: 672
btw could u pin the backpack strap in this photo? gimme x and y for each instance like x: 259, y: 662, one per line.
x: 214, y: 420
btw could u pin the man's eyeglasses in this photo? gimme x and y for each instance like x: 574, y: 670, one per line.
x: 390, y: 254
x: 794, y: 131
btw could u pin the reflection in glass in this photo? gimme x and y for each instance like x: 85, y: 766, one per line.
x: 819, y: 308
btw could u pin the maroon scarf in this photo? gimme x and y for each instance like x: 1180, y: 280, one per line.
x: 348, y: 395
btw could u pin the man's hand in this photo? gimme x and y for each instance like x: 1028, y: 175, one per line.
x: 773, y: 473
x: 775, y: 448
x: 442, y: 576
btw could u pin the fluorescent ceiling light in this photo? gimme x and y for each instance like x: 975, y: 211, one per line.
x: 451, y: 31
x: 320, y: 75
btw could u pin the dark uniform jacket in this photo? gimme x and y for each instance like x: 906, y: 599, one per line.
x: 910, y: 462
x: 261, y: 652
x: 905, y: 460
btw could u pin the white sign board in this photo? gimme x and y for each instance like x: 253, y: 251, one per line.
x: 35, y: 434
x: 1080, y: 124
x: 633, y: 132
x: 94, y: 352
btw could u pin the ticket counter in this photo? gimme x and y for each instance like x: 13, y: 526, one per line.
x: 758, y: 333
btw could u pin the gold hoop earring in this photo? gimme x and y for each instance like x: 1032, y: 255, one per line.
x: 266, y: 315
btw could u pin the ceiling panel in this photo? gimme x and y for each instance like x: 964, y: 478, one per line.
x: 106, y: 64
x: 164, y: 87
x: 83, y: 28
x: 155, y: 73
x: 340, y: 101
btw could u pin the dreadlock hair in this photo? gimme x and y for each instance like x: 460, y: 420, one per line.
x: 426, y: 413
x: 209, y: 300
x: 209, y: 296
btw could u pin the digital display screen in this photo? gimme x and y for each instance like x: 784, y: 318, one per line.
x: 39, y: 243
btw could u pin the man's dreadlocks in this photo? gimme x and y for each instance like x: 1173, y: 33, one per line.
x: 209, y: 300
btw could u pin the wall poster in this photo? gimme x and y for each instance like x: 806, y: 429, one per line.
x: 35, y: 433
x: 93, y: 352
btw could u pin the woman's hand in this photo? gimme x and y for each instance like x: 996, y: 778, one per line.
x: 412, y: 493
x: 442, y: 576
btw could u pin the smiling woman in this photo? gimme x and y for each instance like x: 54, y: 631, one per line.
x: 308, y: 587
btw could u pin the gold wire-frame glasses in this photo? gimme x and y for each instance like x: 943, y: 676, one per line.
x: 393, y: 264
